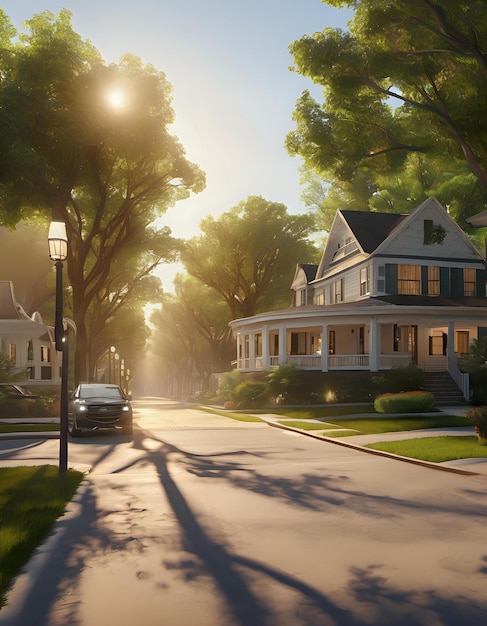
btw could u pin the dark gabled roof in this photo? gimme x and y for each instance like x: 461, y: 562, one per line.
x: 370, y: 228
x: 310, y: 270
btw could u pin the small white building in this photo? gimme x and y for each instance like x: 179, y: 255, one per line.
x: 28, y: 342
x: 390, y: 290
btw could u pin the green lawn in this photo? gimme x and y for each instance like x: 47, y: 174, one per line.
x: 434, y: 449
x: 31, y: 499
x: 371, y: 426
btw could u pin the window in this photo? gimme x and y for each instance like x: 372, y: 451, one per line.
x: 364, y: 281
x: 320, y: 297
x: 45, y: 354
x: 437, y: 345
x: 258, y: 344
x: 302, y: 297
x: 469, y: 282
x: 30, y: 351
x: 338, y: 291
x: 331, y: 342
x: 433, y: 281
x: 463, y: 342
x: 409, y: 279
x: 12, y: 352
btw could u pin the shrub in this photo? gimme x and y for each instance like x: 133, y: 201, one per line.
x: 405, y: 402
x: 397, y: 379
x: 251, y: 395
x: 478, y: 417
x: 286, y: 380
x: 228, y: 383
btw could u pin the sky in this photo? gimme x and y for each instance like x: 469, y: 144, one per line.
x: 233, y: 93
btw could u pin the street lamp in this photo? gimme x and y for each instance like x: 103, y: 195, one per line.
x: 58, y: 252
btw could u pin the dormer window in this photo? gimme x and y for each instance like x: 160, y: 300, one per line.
x: 344, y: 248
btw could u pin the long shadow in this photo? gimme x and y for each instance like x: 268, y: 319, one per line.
x: 382, y: 605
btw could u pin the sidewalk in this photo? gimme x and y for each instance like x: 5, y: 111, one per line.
x: 463, y: 466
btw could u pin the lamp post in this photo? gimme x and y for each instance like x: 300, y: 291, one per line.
x: 58, y: 252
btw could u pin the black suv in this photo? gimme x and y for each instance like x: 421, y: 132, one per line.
x: 95, y: 405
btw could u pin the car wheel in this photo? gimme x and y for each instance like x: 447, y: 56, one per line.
x: 74, y: 431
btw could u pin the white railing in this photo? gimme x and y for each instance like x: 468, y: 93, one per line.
x: 305, y: 361
x: 348, y: 361
x: 398, y: 359
x: 462, y: 380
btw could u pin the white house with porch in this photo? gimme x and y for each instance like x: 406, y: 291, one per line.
x: 390, y: 290
x: 27, y: 341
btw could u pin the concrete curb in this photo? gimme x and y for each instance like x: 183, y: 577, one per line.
x: 345, y: 444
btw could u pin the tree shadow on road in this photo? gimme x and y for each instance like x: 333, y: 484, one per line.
x: 241, y: 580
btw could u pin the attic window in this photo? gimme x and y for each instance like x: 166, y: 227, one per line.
x: 345, y: 248
x: 433, y: 233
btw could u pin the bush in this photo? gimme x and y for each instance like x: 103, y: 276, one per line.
x: 228, y: 383
x: 478, y: 386
x: 406, y: 402
x: 251, y: 395
x: 478, y: 417
x: 286, y: 381
x: 397, y: 379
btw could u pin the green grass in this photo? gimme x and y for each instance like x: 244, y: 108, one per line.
x: 31, y: 499
x: 29, y: 428
x: 241, y: 417
x: 320, y: 412
x: 371, y: 426
x: 434, y: 449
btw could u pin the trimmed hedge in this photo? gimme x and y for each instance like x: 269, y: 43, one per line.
x: 405, y: 402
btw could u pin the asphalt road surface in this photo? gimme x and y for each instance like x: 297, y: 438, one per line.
x: 204, y: 521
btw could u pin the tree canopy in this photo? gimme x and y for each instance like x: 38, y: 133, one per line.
x: 404, y: 86
x: 88, y: 144
x: 248, y: 255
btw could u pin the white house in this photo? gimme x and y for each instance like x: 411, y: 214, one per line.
x: 28, y: 342
x: 390, y: 290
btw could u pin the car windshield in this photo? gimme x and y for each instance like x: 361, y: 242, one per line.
x: 100, y: 391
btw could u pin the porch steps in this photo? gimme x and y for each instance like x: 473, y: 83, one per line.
x: 443, y: 388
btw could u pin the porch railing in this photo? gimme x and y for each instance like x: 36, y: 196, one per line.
x: 461, y: 379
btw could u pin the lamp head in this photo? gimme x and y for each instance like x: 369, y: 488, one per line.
x: 58, y: 241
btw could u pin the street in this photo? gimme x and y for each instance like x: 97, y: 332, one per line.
x: 202, y: 520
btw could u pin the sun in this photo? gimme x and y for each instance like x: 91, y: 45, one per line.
x: 116, y: 99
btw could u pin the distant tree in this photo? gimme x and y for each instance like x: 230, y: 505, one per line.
x: 248, y: 255
x: 106, y: 172
x: 191, y: 336
x: 408, y: 78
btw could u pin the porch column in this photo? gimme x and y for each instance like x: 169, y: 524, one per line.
x: 324, y: 348
x: 252, y: 351
x: 239, y: 351
x: 450, y: 342
x: 374, y: 345
x: 282, y: 345
x: 265, y: 348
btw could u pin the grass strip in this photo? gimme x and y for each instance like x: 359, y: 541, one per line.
x: 371, y: 426
x: 320, y: 412
x: 31, y: 499
x: 240, y: 417
x: 29, y: 428
x: 308, y: 425
x: 434, y: 449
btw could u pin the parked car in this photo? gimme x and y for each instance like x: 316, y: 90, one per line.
x: 10, y: 391
x: 94, y: 406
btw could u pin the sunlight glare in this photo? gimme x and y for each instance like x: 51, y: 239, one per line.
x: 116, y: 99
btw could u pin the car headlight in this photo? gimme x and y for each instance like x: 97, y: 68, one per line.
x: 126, y: 408
x: 82, y: 408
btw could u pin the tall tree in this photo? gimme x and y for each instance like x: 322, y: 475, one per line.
x: 106, y: 171
x: 407, y: 78
x: 191, y: 338
x: 248, y: 255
